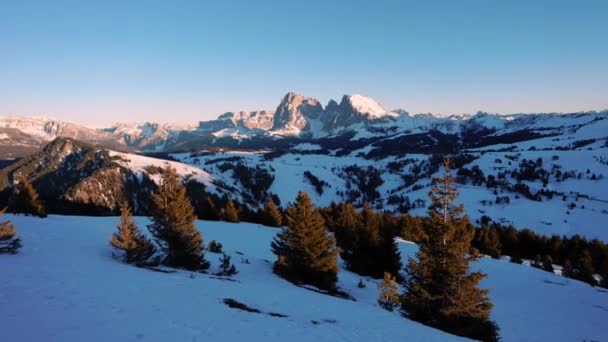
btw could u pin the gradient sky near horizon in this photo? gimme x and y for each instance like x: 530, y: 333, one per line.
x: 99, y: 62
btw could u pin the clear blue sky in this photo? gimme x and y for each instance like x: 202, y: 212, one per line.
x: 100, y: 62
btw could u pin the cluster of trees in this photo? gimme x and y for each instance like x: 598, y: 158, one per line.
x: 580, y: 258
x: 172, y: 228
x: 365, y: 238
x: 213, y: 208
x: 362, y: 183
x: 441, y: 290
x: 316, y: 182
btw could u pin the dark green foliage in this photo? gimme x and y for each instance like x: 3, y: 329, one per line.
x: 316, y: 182
x: 128, y: 238
x: 173, y: 224
x: 215, y: 247
x: 537, y: 263
x: 9, y: 242
x: 366, y: 240
x: 567, y: 269
x: 272, y: 216
x: 592, y: 255
x: 584, y: 268
x: 488, y: 242
x: 306, y: 252
x: 548, y: 263
x: 26, y: 200
x: 441, y: 290
x: 231, y: 213
x: 226, y: 267
x: 202, y: 201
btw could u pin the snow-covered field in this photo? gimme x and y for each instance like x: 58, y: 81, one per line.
x: 549, y: 216
x: 65, y: 286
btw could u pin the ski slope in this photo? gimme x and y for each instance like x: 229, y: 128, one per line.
x: 65, y: 286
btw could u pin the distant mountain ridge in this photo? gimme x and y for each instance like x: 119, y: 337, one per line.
x: 297, y: 117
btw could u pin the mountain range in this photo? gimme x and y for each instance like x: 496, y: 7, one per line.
x: 296, y: 119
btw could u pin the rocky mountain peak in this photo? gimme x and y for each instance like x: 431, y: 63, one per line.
x: 294, y: 110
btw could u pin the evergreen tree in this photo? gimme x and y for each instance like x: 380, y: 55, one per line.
x: 226, y: 267
x: 26, y: 200
x: 567, y: 269
x: 9, y: 242
x: 173, y: 224
x: 128, y: 238
x: 215, y: 247
x: 441, y: 290
x: 272, y: 217
x: 209, y: 210
x: 231, y: 213
x: 548, y: 263
x: 305, y: 251
x: 584, y: 268
x: 388, y: 292
x: 366, y: 241
x: 537, y: 263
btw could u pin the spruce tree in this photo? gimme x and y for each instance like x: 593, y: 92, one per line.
x: 128, y: 238
x: 208, y: 210
x: 567, y: 269
x: 173, y: 224
x: 231, y: 213
x: 548, y: 263
x: 306, y: 252
x: 584, y: 268
x: 272, y: 217
x: 9, y: 242
x: 441, y: 290
x: 26, y: 200
x: 388, y: 290
x: 226, y: 268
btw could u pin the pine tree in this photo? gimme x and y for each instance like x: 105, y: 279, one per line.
x: 231, y: 213
x: 226, y: 267
x: 388, y: 289
x: 26, y: 200
x: 173, y: 224
x: 537, y: 263
x: 548, y: 263
x: 208, y: 210
x: 305, y: 251
x: 9, y: 242
x: 567, y: 269
x: 584, y: 268
x: 272, y: 217
x: 128, y: 238
x: 441, y: 290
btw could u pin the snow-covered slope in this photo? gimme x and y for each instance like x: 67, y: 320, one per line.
x: 574, y: 165
x: 65, y: 286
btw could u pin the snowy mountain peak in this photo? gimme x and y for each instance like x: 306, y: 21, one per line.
x: 366, y: 105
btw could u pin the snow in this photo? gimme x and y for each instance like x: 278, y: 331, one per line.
x: 546, y: 217
x: 138, y: 165
x: 65, y: 286
x: 366, y: 105
x: 533, y: 305
x: 4, y: 136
